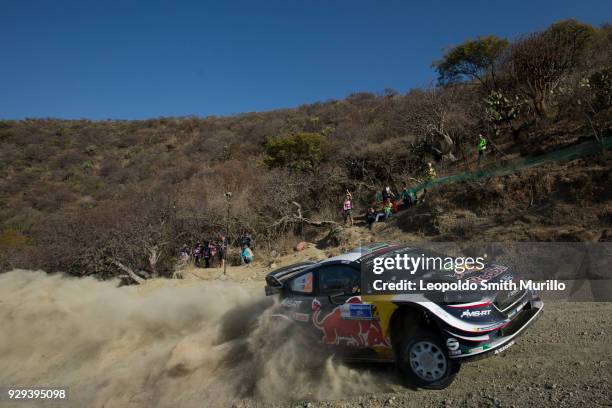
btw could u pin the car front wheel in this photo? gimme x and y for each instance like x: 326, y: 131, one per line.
x: 423, y: 360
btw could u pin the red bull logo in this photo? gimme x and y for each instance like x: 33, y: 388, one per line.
x: 347, y: 325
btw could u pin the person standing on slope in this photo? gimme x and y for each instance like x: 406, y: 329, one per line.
x: 197, y: 254
x: 387, y: 194
x: 221, y: 251
x: 347, y: 208
x: 206, y: 254
x: 370, y: 217
x: 482, y: 147
x: 431, y: 172
x: 430, y: 175
x: 388, y: 209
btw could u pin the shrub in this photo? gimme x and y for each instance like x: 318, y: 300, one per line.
x: 301, y: 151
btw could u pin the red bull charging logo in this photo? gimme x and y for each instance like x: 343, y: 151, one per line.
x: 348, y: 325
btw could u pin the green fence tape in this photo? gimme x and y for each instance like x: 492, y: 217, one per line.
x: 567, y: 153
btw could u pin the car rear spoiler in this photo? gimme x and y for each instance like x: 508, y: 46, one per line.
x: 276, y: 279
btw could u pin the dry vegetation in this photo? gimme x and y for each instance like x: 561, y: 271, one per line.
x: 90, y: 197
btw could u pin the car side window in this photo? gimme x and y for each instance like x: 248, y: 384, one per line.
x: 339, y: 278
x: 302, y: 284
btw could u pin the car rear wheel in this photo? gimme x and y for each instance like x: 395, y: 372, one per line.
x: 423, y: 360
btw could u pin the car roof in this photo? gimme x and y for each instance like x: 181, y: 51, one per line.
x: 347, y: 257
x: 390, y: 249
x: 355, y: 255
x: 359, y: 253
x: 369, y: 248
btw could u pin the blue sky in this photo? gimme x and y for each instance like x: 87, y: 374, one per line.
x: 141, y: 59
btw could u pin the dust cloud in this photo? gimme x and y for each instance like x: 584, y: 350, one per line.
x: 161, y: 344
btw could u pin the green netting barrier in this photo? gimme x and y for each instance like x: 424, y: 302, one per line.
x: 567, y: 153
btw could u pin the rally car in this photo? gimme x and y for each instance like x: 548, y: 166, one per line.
x: 427, y: 336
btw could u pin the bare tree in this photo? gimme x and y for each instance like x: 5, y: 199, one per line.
x: 539, y: 62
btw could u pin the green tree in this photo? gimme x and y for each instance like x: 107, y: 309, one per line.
x: 300, y: 151
x: 474, y: 59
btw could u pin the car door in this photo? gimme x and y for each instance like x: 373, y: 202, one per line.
x: 339, y: 314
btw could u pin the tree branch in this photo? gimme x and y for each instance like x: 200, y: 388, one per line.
x: 129, y: 271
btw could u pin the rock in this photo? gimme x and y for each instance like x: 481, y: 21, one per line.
x: 300, y: 246
x: 550, y: 386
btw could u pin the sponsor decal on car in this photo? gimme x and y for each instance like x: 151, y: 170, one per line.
x: 488, y: 273
x: 350, y: 332
x: 291, y: 303
x: 301, y: 317
x: 357, y: 311
x: 478, y: 349
x: 475, y: 313
x: 504, y: 347
x: 452, y: 344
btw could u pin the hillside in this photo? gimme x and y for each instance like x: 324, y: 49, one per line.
x: 79, y: 196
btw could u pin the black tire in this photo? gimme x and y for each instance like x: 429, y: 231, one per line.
x: 423, y: 361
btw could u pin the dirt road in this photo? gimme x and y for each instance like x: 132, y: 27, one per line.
x: 205, y: 341
x: 562, y: 361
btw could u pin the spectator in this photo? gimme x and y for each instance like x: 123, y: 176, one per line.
x: 370, y: 217
x: 388, y: 209
x: 482, y: 147
x: 430, y: 175
x: 431, y: 172
x: 347, y: 208
x: 409, y: 197
x: 197, y: 253
x: 213, y: 253
x: 247, y: 240
x: 221, y: 251
x: 246, y: 257
x: 387, y: 194
x: 206, y: 254
x: 184, y: 254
